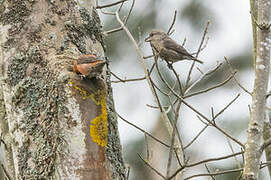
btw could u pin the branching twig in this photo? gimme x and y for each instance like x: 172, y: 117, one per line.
x: 209, y: 171
x: 125, y: 20
x: 237, y: 82
x: 193, y: 64
x: 213, y: 87
x: 204, y: 161
x: 222, y: 110
x: 126, y: 80
x: 204, y: 117
x: 156, y: 139
x: 202, y: 77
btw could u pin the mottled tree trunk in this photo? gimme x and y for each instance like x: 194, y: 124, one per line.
x: 267, y: 137
x: 253, y: 147
x: 54, y: 124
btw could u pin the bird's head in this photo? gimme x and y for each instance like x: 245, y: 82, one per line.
x: 155, y: 35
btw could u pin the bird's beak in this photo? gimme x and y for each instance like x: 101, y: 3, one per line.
x: 148, y: 39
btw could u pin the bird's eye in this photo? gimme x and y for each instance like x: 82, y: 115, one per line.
x: 151, y: 34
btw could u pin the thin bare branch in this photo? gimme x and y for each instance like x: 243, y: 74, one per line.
x: 193, y: 63
x: 209, y: 171
x: 203, y: 76
x: 216, y: 173
x: 126, y: 80
x: 152, y: 168
x: 228, y: 105
x: 173, y: 22
x: 237, y: 82
x: 155, y: 94
x: 204, y: 117
x: 146, y: 72
x: 213, y: 87
x: 178, y: 80
x: 110, y: 5
x: 214, y: 159
x: 202, y: 162
x: 107, y: 13
x: 128, y: 172
x: 266, y: 144
x: 173, y: 137
x: 148, y: 57
x: 184, y: 41
x: 125, y: 20
x: 232, y: 150
x: 196, y: 137
x: 203, y: 47
x: 147, y: 147
x: 142, y: 130
x: 6, y: 172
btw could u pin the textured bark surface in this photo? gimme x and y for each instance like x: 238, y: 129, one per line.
x: 55, y: 124
x: 253, y: 149
x: 267, y: 137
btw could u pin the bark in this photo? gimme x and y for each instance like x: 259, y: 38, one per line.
x: 267, y: 137
x: 253, y: 13
x: 253, y: 150
x: 55, y: 125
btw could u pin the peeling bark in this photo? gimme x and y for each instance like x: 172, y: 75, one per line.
x: 253, y: 150
x: 55, y: 124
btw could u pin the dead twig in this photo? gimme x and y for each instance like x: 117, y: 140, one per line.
x: 125, y: 20
x: 172, y: 24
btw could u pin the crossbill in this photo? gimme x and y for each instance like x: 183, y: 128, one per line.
x: 89, y: 66
x: 167, y: 48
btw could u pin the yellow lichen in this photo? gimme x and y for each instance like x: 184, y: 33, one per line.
x: 98, y: 126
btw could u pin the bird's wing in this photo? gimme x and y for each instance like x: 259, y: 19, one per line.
x: 172, y: 45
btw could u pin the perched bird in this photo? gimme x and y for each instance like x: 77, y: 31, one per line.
x: 167, y: 48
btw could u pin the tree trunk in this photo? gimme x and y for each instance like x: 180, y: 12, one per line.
x: 266, y: 137
x: 253, y: 148
x: 54, y: 123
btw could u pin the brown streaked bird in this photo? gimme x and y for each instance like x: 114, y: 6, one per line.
x: 167, y: 48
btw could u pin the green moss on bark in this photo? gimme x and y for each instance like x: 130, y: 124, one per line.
x: 19, y: 63
x: 113, y: 148
x: 40, y: 97
x: 41, y: 101
x: 90, y: 27
x: 16, y: 14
